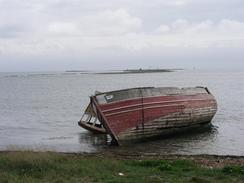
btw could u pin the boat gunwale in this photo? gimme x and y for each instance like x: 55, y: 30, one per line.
x: 101, y: 93
x: 153, y: 97
x: 147, y: 87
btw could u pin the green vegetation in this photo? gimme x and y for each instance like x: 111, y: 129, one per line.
x: 55, y: 167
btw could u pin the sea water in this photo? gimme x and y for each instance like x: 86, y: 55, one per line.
x: 39, y: 111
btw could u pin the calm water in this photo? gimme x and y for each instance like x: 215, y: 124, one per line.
x: 39, y: 111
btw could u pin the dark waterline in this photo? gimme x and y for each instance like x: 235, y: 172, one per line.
x: 39, y: 111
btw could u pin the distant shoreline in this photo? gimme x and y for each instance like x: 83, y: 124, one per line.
x: 127, y: 71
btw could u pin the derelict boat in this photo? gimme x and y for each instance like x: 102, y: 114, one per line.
x: 139, y: 113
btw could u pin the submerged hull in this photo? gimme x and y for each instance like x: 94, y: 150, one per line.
x: 140, y: 113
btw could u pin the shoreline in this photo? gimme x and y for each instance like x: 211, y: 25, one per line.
x: 208, y: 160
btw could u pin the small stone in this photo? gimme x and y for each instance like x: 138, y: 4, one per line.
x: 121, y: 174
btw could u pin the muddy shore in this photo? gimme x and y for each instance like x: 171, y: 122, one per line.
x: 215, y: 161
x: 205, y: 160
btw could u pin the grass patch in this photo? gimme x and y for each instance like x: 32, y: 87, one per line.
x: 61, y: 168
x: 233, y: 170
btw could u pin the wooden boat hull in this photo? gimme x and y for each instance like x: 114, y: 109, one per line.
x: 149, y: 112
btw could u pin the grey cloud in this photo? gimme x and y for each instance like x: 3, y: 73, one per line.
x: 59, y: 32
x: 8, y: 31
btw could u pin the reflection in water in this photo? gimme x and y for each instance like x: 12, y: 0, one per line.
x: 97, y: 140
x: 187, y: 142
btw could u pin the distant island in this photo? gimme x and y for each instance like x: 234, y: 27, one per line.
x: 135, y: 71
x: 127, y: 71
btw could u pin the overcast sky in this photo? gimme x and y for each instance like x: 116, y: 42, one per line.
x: 44, y: 35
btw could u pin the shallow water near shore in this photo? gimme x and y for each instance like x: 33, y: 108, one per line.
x: 39, y: 111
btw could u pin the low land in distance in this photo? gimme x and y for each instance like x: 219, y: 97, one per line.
x: 127, y: 71
x: 110, y: 167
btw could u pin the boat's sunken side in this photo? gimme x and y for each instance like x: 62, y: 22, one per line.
x: 139, y: 113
